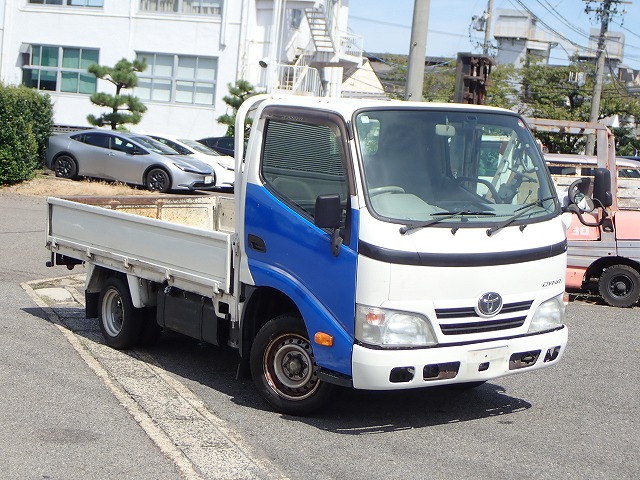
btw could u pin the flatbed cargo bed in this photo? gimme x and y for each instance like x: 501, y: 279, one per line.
x: 185, y: 241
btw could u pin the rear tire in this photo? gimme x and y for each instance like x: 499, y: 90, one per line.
x: 65, y: 167
x: 284, y: 370
x: 158, y: 180
x: 619, y: 286
x: 120, y: 322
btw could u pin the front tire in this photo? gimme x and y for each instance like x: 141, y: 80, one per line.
x: 158, y: 180
x: 65, y: 167
x: 284, y: 370
x: 619, y: 286
x: 120, y: 322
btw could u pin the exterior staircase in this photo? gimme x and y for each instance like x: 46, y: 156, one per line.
x: 328, y: 47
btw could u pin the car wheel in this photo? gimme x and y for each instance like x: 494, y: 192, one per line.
x: 65, y: 167
x: 284, y: 370
x: 158, y: 180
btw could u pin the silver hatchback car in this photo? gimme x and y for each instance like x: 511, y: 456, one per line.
x: 127, y: 157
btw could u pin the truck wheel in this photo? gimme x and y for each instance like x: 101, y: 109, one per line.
x: 284, y: 369
x: 120, y: 322
x: 619, y: 286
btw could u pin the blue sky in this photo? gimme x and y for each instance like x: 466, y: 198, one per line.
x: 386, y: 25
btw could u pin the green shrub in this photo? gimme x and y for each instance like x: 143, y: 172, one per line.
x: 26, y: 118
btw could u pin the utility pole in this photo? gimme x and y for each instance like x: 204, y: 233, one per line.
x: 604, y: 12
x: 417, y: 50
x: 487, y: 29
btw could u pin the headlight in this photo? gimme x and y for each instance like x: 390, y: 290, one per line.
x: 549, y: 315
x: 226, y: 167
x: 380, y: 326
x: 189, y: 168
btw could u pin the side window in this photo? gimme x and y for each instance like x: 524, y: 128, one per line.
x: 122, y: 145
x: 301, y: 161
x: 96, y: 139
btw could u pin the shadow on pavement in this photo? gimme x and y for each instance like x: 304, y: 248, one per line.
x: 352, y: 412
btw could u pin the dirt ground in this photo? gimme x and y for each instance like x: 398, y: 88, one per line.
x: 46, y: 184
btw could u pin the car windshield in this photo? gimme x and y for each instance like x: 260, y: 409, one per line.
x: 198, y: 147
x: 155, y: 146
x: 460, y: 168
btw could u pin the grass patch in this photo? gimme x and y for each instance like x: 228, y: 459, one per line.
x: 45, y: 183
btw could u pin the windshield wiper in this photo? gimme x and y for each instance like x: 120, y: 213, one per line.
x: 442, y: 217
x: 519, y: 212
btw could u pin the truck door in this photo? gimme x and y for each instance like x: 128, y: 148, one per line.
x: 304, y: 155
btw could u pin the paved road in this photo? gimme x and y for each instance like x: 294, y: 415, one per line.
x: 74, y: 409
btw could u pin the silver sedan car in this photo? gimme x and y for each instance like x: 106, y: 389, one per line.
x: 126, y: 157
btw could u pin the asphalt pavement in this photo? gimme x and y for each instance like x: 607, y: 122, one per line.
x: 76, y: 409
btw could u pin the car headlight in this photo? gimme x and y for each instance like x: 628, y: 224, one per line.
x: 549, y: 315
x: 190, y: 169
x: 226, y: 167
x: 380, y: 326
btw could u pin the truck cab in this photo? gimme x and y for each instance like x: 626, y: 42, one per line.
x: 393, y: 245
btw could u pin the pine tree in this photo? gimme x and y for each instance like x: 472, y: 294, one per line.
x: 124, y: 108
x: 238, y: 93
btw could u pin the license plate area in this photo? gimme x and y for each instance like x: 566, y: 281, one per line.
x: 481, y: 360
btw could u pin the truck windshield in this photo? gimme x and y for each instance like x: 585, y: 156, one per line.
x: 421, y: 167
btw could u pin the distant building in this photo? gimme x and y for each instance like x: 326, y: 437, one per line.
x: 194, y: 49
x: 614, y: 46
x: 518, y: 36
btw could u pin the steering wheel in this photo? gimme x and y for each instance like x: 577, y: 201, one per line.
x: 487, y: 183
x: 386, y: 189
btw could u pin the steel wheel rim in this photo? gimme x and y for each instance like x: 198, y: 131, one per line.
x: 620, y: 285
x: 158, y: 181
x: 112, y: 312
x: 290, y: 368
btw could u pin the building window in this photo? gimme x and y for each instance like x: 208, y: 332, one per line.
x: 60, y: 69
x: 192, y: 7
x: 70, y: 3
x: 178, y: 79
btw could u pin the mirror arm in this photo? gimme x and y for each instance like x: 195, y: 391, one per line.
x: 574, y: 209
x: 336, y: 242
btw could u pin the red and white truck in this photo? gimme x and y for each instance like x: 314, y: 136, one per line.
x: 604, y: 254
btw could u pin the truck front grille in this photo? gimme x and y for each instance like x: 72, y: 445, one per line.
x: 508, y: 319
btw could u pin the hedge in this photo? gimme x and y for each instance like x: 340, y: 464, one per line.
x: 26, y: 118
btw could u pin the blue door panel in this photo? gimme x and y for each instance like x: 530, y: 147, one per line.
x: 298, y: 262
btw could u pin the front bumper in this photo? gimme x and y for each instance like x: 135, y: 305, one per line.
x: 196, y: 182
x: 376, y: 369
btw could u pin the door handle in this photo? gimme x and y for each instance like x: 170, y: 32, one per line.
x: 256, y: 243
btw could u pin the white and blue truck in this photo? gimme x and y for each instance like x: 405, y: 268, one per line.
x: 378, y: 245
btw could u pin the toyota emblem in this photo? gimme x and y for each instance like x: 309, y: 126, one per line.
x: 489, y: 304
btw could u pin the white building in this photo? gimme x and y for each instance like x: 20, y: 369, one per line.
x: 194, y: 49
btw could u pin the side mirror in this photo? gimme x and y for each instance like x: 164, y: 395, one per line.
x: 328, y: 211
x: 602, y: 187
x: 580, y: 202
x: 328, y: 214
x: 578, y: 195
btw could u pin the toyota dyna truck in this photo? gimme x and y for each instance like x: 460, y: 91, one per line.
x: 378, y: 245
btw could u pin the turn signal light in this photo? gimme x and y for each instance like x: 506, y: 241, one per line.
x: 324, y: 339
